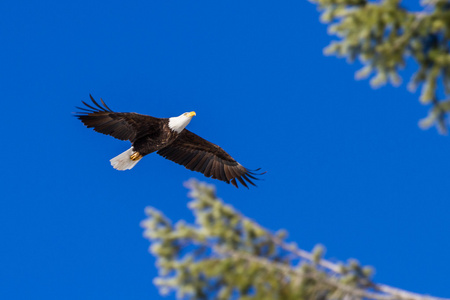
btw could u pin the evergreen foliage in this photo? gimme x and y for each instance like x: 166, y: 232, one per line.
x: 384, y: 35
x: 226, y: 255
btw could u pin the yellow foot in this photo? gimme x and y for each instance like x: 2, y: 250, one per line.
x: 135, y: 156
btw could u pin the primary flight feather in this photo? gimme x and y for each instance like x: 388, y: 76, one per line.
x: 168, y: 137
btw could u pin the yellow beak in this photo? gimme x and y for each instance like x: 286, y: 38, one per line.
x: 192, y: 113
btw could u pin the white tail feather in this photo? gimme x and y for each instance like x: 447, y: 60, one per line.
x: 123, y: 161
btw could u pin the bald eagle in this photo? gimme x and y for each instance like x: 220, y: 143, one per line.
x: 168, y: 137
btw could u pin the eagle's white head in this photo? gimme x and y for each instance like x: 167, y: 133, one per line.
x: 179, y: 123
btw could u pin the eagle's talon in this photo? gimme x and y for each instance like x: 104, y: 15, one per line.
x: 135, y: 156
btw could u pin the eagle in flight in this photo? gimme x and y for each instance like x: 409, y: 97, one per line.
x: 168, y: 137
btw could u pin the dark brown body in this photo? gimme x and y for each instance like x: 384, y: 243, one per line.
x: 156, y: 138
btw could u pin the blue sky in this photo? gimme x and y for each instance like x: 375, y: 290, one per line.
x: 347, y: 166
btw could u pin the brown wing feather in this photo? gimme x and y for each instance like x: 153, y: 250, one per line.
x: 122, y: 126
x: 197, y: 154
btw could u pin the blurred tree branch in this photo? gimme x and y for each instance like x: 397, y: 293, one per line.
x: 226, y: 255
x: 383, y: 35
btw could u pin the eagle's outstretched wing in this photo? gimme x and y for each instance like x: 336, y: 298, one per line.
x: 122, y: 126
x: 197, y: 154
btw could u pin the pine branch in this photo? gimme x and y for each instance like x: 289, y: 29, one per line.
x: 226, y: 255
x: 382, y: 35
x: 391, y: 292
